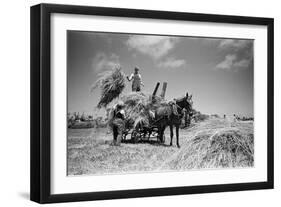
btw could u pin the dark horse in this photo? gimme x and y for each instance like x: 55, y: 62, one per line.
x: 171, y: 114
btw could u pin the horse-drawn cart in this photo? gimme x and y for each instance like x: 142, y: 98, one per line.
x: 149, y: 131
x: 141, y: 110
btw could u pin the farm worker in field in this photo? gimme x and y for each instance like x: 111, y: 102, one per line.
x: 136, y: 77
x: 117, y: 122
x: 187, y: 117
x: 234, y: 118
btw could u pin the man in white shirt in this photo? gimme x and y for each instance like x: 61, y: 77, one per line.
x: 136, y: 77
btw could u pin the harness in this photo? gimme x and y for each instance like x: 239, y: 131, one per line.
x: 175, y: 107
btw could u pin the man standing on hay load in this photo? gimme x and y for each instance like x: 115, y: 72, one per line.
x: 136, y: 77
x: 117, y: 122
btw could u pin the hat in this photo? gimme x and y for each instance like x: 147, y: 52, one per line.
x: 120, y: 104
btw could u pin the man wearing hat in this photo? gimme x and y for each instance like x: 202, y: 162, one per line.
x: 117, y: 122
x: 136, y: 77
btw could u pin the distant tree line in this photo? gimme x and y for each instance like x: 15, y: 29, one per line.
x: 77, y: 120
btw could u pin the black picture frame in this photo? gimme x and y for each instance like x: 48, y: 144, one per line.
x: 41, y: 98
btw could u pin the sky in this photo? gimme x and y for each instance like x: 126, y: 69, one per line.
x: 217, y: 72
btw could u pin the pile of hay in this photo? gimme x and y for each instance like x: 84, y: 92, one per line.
x: 139, y: 109
x: 231, y: 148
x: 228, y: 148
x: 111, y: 83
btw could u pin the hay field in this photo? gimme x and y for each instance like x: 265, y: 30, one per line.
x: 213, y: 143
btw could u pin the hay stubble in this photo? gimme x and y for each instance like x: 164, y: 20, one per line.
x: 211, y: 144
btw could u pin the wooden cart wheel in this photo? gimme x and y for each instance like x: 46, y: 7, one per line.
x: 125, y: 133
x: 159, y: 140
x: 124, y: 136
x: 135, y: 136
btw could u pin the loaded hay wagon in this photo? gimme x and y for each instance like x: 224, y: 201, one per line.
x: 145, y: 126
x: 140, y: 121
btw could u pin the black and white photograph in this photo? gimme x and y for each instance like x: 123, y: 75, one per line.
x: 143, y: 103
x: 140, y: 103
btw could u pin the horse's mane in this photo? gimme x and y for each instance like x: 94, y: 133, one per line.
x: 164, y: 108
x: 180, y: 99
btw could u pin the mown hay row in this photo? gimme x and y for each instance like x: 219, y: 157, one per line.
x: 227, y: 148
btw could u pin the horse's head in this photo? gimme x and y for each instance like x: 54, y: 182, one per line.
x: 185, y: 103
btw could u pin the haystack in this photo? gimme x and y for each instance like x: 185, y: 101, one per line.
x: 231, y: 148
x: 228, y: 148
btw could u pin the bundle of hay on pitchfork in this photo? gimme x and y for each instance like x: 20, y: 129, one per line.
x: 144, y: 116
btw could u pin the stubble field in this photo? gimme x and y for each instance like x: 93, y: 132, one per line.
x: 213, y: 143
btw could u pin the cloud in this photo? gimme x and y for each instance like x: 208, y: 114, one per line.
x: 231, y: 63
x: 154, y: 46
x: 227, y: 63
x: 171, y: 63
x: 242, y: 63
x: 239, y: 54
x: 103, y: 62
x: 234, y: 44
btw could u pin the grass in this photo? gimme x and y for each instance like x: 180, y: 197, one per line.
x: 213, y: 143
x: 89, y: 155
